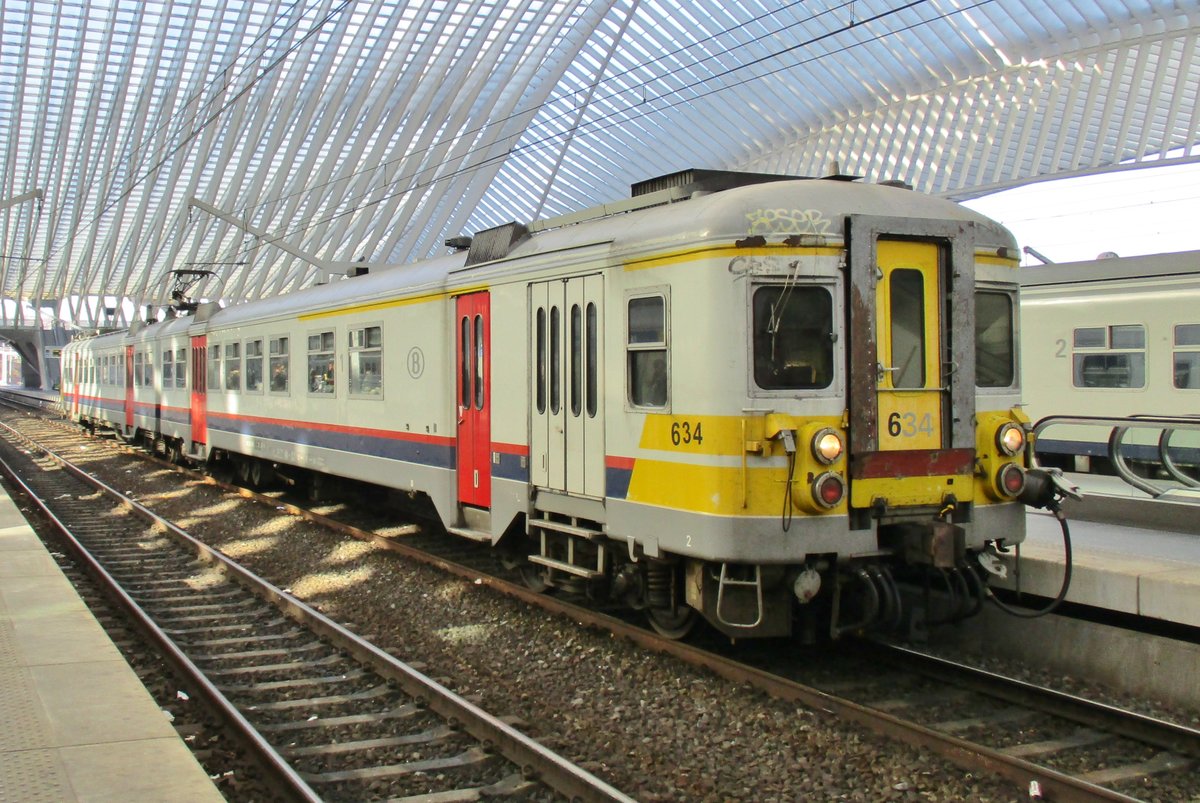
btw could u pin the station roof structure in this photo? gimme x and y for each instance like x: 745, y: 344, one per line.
x: 277, y: 144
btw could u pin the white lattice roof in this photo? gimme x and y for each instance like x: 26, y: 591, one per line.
x: 317, y: 134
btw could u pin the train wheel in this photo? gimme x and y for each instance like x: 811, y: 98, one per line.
x: 254, y: 473
x: 672, y: 624
x: 534, y: 577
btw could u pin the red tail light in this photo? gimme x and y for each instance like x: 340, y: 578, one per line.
x: 829, y: 490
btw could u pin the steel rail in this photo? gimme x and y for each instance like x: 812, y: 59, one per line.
x: 967, y: 755
x: 535, y: 759
x: 1160, y: 733
x: 284, y: 775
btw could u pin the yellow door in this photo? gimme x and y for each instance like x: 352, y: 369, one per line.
x: 909, y: 381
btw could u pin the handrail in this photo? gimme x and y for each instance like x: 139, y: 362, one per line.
x: 1166, y: 425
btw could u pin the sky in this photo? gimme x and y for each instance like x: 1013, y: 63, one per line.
x: 1153, y: 210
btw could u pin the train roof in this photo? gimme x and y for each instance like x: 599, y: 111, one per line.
x: 1113, y: 269
x: 658, y: 220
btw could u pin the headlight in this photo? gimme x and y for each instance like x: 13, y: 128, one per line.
x: 827, y: 446
x: 1010, y: 439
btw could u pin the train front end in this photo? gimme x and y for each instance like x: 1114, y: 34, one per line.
x: 871, y: 445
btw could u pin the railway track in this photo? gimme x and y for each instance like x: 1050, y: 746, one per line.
x: 332, y: 716
x: 1047, y: 744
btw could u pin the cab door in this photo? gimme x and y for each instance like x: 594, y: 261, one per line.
x: 912, y: 378
x: 473, y: 386
x: 910, y: 394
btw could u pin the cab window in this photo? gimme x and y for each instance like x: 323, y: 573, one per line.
x: 994, y: 350
x: 793, y: 337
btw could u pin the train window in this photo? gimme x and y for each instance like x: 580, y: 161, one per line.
x: 366, y: 361
x: 1187, y: 356
x: 148, y: 376
x: 233, y: 366
x: 278, y: 348
x: 321, y: 353
x: 540, y: 337
x: 793, y: 337
x: 593, y: 346
x: 139, y: 372
x: 994, y: 340
x: 555, y: 362
x: 647, y: 352
x: 479, y: 363
x: 254, y: 366
x: 464, y: 360
x: 1109, y: 357
x: 576, y: 360
x: 213, y: 380
x: 168, y: 368
x: 181, y: 368
x: 907, y: 290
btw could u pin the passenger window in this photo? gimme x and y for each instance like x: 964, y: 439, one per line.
x: 793, y: 337
x: 148, y: 376
x: 576, y: 360
x: 254, y: 366
x: 366, y: 361
x: 593, y: 347
x: 139, y: 373
x: 214, y: 368
x: 1187, y: 356
x: 994, y: 363
x: 168, y: 368
x: 1109, y: 357
x: 321, y: 355
x: 233, y: 366
x: 555, y: 361
x: 541, y: 360
x: 279, y: 364
x: 646, y: 349
x: 181, y: 368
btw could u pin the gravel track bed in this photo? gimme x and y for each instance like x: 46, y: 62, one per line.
x: 650, y: 726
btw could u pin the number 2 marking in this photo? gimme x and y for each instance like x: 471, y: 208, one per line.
x: 1062, y: 348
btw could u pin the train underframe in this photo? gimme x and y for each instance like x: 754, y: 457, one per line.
x: 925, y: 576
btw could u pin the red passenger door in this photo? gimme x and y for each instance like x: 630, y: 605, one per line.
x: 473, y: 399
x: 129, y: 387
x: 199, y: 399
x: 76, y: 374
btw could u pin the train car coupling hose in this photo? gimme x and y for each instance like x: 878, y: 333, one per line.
x: 1046, y: 488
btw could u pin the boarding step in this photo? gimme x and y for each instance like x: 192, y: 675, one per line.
x: 569, y: 568
x: 563, y: 527
x: 474, y: 535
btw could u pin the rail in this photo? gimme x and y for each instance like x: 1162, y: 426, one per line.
x: 1166, y: 427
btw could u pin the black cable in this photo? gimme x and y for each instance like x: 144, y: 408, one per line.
x: 785, y: 518
x: 1066, y: 584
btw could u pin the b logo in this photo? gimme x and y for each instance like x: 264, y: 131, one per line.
x: 416, y: 362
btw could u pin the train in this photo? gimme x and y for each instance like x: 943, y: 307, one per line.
x: 778, y: 405
x: 1113, y: 338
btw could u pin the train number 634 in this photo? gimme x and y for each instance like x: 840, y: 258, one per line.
x: 685, y: 432
x: 908, y: 426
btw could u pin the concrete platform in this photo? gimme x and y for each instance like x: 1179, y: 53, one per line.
x: 1134, y: 570
x: 76, y: 724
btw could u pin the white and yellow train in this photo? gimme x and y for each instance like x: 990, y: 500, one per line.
x: 765, y: 402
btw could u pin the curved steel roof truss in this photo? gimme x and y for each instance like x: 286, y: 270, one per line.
x: 322, y: 134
